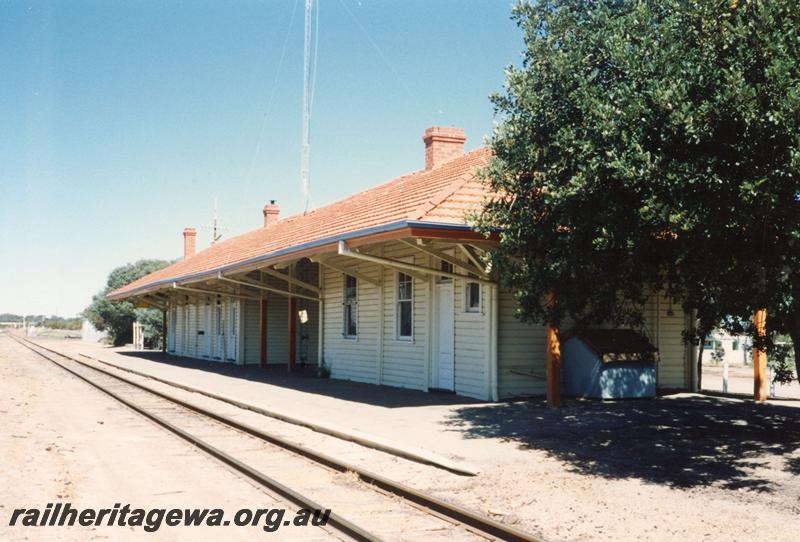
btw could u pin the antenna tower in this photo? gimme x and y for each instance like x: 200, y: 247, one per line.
x: 305, y: 174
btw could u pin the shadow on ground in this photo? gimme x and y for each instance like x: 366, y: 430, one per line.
x: 306, y: 380
x: 682, y: 442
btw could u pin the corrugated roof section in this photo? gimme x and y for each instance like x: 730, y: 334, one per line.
x: 444, y: 194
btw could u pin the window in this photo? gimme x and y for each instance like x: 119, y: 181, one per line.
x: 735, y: 345
x: 447, y: 267
x: 350, y: 306
x: 405, y: 310
x: 472, y: 297
x: 219, y: 319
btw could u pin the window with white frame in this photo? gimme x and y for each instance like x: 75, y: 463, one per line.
x: 472, y: 297
x: 350, y: 307
x: 405, y: 306
x: 446, y: 267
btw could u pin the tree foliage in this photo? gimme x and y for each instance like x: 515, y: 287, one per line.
x: 117, y: 317
x: 52, y: 322
x: 652, y: 144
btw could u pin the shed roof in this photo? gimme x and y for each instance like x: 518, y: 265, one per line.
x: 440, y: 196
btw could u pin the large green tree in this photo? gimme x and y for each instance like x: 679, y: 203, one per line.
x: 117, y: 317
x: 648, y: 144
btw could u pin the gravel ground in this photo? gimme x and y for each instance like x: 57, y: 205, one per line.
x: 686, y: 467
x: 681, y: 468
x: 63, y: 441
x: 740, y: 381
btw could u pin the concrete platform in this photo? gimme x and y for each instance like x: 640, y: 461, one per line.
x: 408, y: 420
x: 590, y: 471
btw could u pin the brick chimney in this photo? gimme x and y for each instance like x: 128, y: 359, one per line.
x: 442, y: 144
x: 189, y: 242
x: 271, y: 213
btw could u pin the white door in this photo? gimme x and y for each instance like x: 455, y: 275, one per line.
x: 194, y: 326
x: 444, y: 356
x: 207, y: 331
x: 219, y: 330
x: 186, y: 335
x: 232, y: 330
x: 200, y: 332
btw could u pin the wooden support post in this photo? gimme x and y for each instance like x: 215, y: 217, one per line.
x: 164, y: 331
x: 292, y: 332
x: 553, y: 363
x: 553, y: 368
x: 760, y: 380
x: 263, y: 331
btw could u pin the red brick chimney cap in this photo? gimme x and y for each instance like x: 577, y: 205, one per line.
x: 444, y: 133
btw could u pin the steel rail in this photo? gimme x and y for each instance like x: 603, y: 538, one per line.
x: 454, y: 512
x: 342, y: 524
x: 366, y: 442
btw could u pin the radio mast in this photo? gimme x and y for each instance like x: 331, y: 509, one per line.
x: 305, y: 174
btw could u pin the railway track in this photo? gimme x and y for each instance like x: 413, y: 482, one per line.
x: 364, y: 505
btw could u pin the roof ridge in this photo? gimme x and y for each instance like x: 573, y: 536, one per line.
x: 439, y: 198
x: 449, y: 190
x: 409, y: 197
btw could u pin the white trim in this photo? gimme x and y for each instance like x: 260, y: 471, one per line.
x: 345, y: 335
x: 344, y: 250
x: 240, y: 316
x: 397, y: 301
x: 320, y: 316
x: 494, y: 328
x: 436, y: 334
x: 465, y: 308
x: 380, y: 289
x: 430, y: 288
x: 444, y: 256
x: 290, y: 280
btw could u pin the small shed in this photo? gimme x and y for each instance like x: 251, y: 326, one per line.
x: 609, y: 364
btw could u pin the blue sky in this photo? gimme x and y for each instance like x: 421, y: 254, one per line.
x: 121, y: 122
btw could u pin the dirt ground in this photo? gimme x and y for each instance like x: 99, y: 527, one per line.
x: 740, y: 381
x: 686, y: 467
x: 63, y: 441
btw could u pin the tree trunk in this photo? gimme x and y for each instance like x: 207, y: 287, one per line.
x: 793, y: 325
x: 702, y: 334
x: 700, y: 365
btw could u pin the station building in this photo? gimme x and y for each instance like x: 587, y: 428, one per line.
x: 387, y: 286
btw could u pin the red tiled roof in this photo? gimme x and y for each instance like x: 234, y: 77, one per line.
x: 441, y: 195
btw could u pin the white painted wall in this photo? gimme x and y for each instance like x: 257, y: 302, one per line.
x: 189, y: 318
x: 351, y: 359
x: 522, y: 348
x: 521, y: 352
x: 251, y: 325
x: 472, y: 344
x: 404, y: 361
x: 379, y: 355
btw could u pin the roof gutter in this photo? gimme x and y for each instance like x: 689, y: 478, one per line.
x: 260, y: 261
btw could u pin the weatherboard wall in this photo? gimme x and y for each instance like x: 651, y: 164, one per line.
x: 522, y: 347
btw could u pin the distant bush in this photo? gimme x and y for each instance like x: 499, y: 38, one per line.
x: 117, y: 317
x: 56, y: 322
